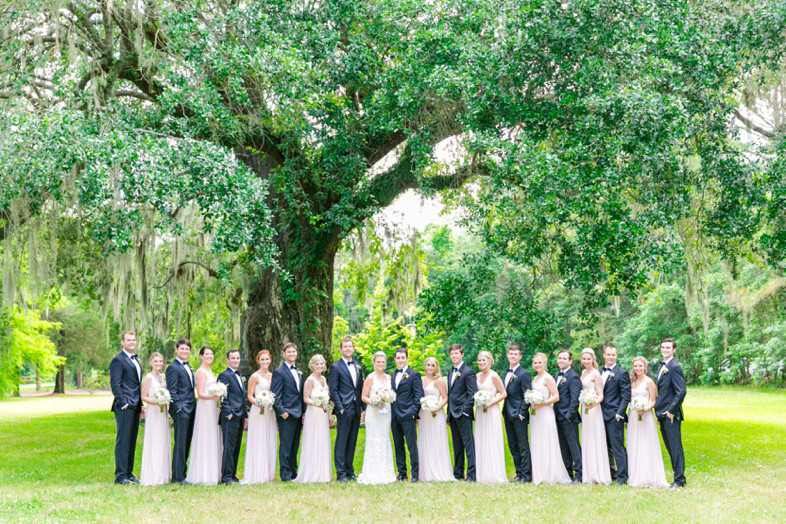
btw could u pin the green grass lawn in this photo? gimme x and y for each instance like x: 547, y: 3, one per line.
x: 56, y: 465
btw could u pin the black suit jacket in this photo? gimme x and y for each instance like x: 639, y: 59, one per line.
x: 344, y: 395
x: 288, y: 398
x: 235, y: 401
x: 569, y: 390
x: 671, y: 391
x: 125, y: 382
x: 461, y: 392
x: 178, y: 382
x: 408, y: 395
x: 616, y: 394
x: 516, y: 389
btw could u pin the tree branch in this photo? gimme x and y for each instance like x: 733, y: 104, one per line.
x: 210, y: 271
x: 134, y: 94
x: 750, y: 125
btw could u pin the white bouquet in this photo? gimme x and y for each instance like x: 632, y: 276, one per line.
x: 217, y: 389
x: 483, y: 399
x: 381, y: 397
x: 162, y: 398
x: 588, y: 397
x: 430, y: 404
x: 533, y: 398
x: 264, y: 399
x: 639, y: 404
x: 321, y: 400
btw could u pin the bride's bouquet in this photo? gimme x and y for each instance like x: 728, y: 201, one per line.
x: 321, y: 400
x: 588, y: 397
x: 639, y: 404
x: 381, y: 397
x: 533, y: 398
x: 264, y: 399
x: 217, y: 389
x: 430, y: 404
x: 483, y: 399
x: 162, y: 398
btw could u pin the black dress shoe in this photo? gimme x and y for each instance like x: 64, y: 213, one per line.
x: 401, y: 478
x: 343, y: 481
x: 133, y: 479
x: 230, y: 481
x: 576, y: 481
x: 352, y: 477
x: 676, y: 485
x: 124, y: 482
x: 414, y: 479
x: 620, y: 482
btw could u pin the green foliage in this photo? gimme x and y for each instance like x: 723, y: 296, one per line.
x: 27, y: 343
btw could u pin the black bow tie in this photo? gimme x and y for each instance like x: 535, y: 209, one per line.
x: 236, y: 373
x: 399, y: 371
x: 134, y: 357
x: 293, y: 367
x: 510, y: 370
x: 350, y: 362
x: 606, y: 369
x: 561, y: 373
x: 662, y: 363
x: 455, y: 369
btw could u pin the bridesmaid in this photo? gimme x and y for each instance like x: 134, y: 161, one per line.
x: 645, y: 461
x: 547, y: 464
x: 260, y: 463
x: 594, y: 453
x: 155, y: 453
x: 205, y: 464
x: 433, y: 448
x: 489, y: 444
x: 315, y: 446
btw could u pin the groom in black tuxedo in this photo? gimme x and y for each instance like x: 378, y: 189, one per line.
x: 462, y: 387
x: 125, y: 378
x: 233, y: 414
x: 287, y: 386
x: 345, y: 380
x: 668, y: 409
x: 180, y: 383
x: 517, y: 381
x: 566, y: 411
x: 616, y: 397
x: 408, y: 386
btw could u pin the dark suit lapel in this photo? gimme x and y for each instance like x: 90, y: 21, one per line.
x: 132, y: 367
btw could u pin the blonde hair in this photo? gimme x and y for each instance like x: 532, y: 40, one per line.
x: 379, y: 354
x: 633, y: 376
x: 541, y: 355
x: 591, y: 351
x: 154, y: 355
x: 314, y: 360
x: 488, y: 356
x: 438, y: 371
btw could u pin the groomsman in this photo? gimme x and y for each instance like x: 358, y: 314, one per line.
x: 616, y: 397
x: 516, y: 415
x: 233, y: 414
x: 125, y: 377
x: 287, y: 386
x: 668, y: 409
x: 180, y: 383
x: 566, y: 411
x: 408, y: 386
x: 462, y: 387
x: 345, y: 380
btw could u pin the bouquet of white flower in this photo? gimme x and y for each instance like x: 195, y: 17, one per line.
x: 588, y: 397
x: 430, y: 404
x: 264, y: 399
x: 483, y: 399
x: 162, y: 398
x: 321, y: 400
x: 381, y: 397
x: 217, y: 389
x: 639, y: 404
x: 533, y: 398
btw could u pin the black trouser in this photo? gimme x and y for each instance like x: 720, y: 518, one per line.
x: 405, y: 430
x: 671, y: 431
x: 184, y: 429
x: 518, y: 443
x: 463, y: 441
x: 127, y: 421
x: 568, y: 433
x: 288, y: 444
x: 232, y: 437
x: 615, y: 442
x: 347, y: 427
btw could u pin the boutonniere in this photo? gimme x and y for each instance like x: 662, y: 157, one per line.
x: 560, y: 380
x: 300, y: 373
x: 665, y: 370
x: 405, y: 376
x: 457, y: 375
x: 612, y: 375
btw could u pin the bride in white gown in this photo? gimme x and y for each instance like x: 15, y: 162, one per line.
x: 378, y: 454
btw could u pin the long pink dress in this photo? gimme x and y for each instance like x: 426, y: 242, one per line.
x: 204, y: 465
x: 489, y: 444
x: 155, y: 451
x: 594, y: 453
x: 260, y: 462
x: 433, y: 447
x: 645, y: 461
x: 315, y: 444
x: 547, y: 465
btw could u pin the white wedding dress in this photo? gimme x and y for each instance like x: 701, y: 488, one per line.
x: 378, y: 454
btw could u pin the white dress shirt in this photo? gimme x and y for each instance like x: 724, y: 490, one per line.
x: 135, y: 362
x: 352, y: 371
